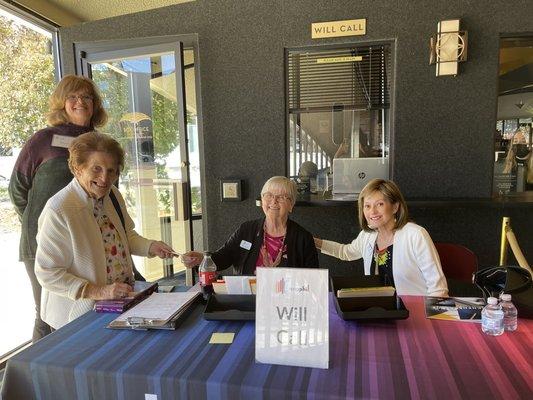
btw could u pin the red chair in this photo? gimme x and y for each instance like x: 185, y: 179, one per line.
x: 457, y: 261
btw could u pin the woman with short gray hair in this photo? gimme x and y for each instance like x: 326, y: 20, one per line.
x: 271, y: 241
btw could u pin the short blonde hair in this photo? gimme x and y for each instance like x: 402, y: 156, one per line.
x: 283, y: 184
x: 89, y: 142
x: 392, y: 193
x: 72, y: 84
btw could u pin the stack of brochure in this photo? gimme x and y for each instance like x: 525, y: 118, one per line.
x: 454, y: 308
x: 235, y: 285
x: 141, y: 290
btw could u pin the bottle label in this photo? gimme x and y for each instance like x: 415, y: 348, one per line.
x: 207, y: 277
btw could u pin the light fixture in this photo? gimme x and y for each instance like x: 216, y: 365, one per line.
x: 520, y: 104
x: 448, y: 47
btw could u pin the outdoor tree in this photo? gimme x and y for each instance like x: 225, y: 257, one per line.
x: 114, y: 88
x: 26, y: 82
x: 162, y: 126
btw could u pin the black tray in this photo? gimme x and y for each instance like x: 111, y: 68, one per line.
x: 230, y: 307
x: 360, y: 308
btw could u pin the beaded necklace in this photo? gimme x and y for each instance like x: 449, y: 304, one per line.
x: 267, y: 259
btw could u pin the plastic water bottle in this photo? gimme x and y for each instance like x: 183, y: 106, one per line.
x: 509, y: 313
x: 492, y: 318
x: 208, y: 274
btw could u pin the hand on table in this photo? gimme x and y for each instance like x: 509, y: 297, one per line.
x: 116, y: 290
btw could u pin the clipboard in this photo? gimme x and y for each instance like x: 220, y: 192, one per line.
x: 159, y: 311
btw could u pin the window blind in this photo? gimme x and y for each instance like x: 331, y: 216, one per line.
x: 320, y: 80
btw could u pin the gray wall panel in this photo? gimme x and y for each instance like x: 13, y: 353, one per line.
x: 443, y: 126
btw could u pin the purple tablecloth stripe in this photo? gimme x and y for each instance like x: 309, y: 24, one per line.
x: 414, y: 358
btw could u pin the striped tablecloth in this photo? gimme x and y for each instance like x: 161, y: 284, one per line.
x: 413, y: 358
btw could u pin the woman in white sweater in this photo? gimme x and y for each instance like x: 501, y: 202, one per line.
x: 400, y: 251
x: 83, y: 247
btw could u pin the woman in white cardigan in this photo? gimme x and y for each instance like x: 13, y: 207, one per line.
x: 400, y: 251
x: 83, y: 249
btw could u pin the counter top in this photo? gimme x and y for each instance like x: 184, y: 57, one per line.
x: 524, y: 199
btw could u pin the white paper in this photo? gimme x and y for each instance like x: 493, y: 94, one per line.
x: 238, y: 284
x: 159, y: 306
x: 292, y: 317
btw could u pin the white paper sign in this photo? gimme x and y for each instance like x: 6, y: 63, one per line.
x: 292, y: 317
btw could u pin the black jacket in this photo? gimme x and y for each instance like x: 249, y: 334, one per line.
x: 301, y: 251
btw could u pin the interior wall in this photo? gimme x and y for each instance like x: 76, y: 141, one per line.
x: 443, y: 127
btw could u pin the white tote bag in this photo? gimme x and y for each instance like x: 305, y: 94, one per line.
x: 291, y: 317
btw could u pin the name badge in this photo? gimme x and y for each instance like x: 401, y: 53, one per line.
x: 62, y: 141
x: 246, y: 245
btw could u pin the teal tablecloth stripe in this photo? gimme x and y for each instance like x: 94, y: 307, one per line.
x: 413, y: 358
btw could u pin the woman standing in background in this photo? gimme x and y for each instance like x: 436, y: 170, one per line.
x: 41, y: 169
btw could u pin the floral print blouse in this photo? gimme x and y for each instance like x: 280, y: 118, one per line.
x: 117, y: 266
x: 383, y: 260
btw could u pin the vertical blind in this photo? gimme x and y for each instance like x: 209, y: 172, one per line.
x: 320, y: 80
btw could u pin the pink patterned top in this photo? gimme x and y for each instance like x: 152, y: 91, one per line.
x: 118, y: 269
x: 271, y: 251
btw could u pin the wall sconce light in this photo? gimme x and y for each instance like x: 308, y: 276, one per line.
x: 448, y: 47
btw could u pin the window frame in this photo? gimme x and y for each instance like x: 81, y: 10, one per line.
x: 45, y: 24
x: 392, y: 43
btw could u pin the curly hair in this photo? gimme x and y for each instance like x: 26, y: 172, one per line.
x: 90, y: 142
x: 72, y: 84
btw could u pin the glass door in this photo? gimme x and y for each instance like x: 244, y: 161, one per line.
x: 146, y: 93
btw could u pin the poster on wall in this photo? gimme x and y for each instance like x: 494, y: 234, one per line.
x: 505, y: 178
x: 292, y: 317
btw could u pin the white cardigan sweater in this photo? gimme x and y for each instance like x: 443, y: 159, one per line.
x: 415, y: 262
x: 70, y: 251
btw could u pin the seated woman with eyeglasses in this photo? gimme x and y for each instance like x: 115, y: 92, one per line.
x: 271, y: 241
x: 401, y: 252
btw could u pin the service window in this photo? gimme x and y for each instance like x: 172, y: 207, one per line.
x: 338, y: 118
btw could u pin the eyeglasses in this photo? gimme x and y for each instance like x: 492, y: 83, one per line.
x: 84, y: 98
x: 280, y: 198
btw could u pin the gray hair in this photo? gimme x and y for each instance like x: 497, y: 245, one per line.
x: 281, y: 183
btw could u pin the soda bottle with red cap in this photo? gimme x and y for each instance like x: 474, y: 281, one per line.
x: 207, y: 274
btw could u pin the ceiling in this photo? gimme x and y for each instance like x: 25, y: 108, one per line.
x: 71, y: 12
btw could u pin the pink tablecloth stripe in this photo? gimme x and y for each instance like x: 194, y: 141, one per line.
x: 414, y: 332
x: 459, y: 355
